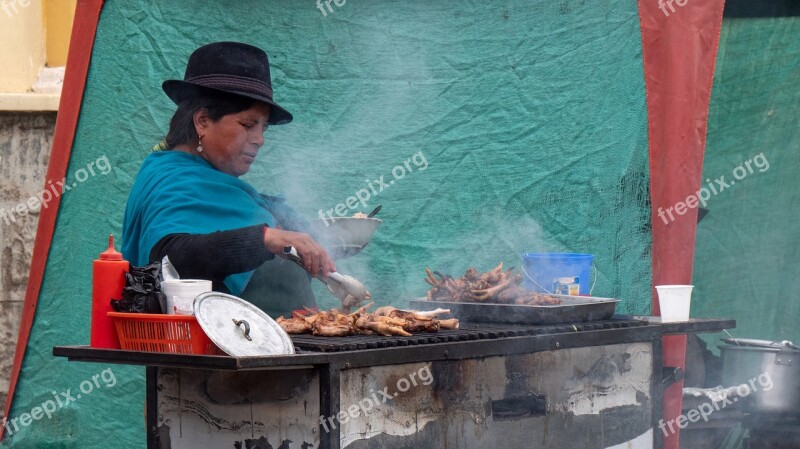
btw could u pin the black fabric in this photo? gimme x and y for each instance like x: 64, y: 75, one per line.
x: 279, y: 287
x: 214, y: 256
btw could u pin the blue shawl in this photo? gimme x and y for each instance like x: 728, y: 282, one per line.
x: 176, y: 192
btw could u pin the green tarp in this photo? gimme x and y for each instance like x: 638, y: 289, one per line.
x: 748, y: 246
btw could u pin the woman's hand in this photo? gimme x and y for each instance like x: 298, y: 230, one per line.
x: 314, y: 256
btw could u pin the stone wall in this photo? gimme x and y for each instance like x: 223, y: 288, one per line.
x: 25, y: 140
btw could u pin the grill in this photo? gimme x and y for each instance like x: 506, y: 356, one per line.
x: 467, y: 331
x: 483, y: 385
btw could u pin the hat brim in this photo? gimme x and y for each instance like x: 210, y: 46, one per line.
x: 179, y: 90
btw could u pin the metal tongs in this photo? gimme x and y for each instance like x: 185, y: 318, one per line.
x: 346, y: 288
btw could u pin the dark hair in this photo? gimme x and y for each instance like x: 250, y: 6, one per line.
x: 181, y: 127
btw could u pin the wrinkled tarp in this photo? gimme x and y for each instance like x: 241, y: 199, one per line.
x: 748, y: 246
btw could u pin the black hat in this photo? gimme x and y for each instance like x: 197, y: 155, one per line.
x: 231, y: 67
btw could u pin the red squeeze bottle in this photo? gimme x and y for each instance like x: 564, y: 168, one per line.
x: 108, y: 280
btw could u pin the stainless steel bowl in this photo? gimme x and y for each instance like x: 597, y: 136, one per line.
x: 346, y: 236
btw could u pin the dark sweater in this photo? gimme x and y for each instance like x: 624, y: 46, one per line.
x: 214, y: 256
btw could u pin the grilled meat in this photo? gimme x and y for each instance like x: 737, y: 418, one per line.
x: 495, y: 286
x: 294, y: 325
x: 384, y: 321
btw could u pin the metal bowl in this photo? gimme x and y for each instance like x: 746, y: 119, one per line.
x: 345, y: 237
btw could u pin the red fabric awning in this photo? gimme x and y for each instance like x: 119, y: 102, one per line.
x: 680, y: 39
x: 84, y: 28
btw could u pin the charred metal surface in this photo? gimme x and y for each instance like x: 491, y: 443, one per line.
x: 263, y: 443
x: 226, y: 387
x: 467, y: 331
x: 568, y: 432
x: 607, y: 370
x: 162, y: 436
x: 601, y: 394
x: 259, y: 409
x: 517, y: 378
x: 519, y: 407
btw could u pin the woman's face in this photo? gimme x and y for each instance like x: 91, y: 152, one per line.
x: 231, y: 143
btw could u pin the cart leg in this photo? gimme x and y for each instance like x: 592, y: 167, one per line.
x: 329, y: 401
x: 151, y: 407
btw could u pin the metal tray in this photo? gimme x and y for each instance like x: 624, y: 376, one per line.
x: 572, y: 309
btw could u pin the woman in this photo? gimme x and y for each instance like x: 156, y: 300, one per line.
x: 188, y: 202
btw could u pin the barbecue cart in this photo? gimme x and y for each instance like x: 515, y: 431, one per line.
x: 593, y: 384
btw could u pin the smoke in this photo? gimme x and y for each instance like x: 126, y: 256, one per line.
x: 394, y: 264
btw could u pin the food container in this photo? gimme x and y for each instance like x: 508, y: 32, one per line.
x: 345, y: 236
x: 148, y: 332
x: 768, y: 374
x: 180, y: 294
x: 572, y: 309
x: 108, y: 281
x: 558, y: 273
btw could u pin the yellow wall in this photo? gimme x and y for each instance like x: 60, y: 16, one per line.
x: 58, y: 16
x: 33, y: 33
x: 22, y: 53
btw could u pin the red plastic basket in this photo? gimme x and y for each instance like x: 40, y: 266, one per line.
x: 179, y: 334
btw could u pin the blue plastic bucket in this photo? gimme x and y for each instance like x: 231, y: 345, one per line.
x: 558, y: 273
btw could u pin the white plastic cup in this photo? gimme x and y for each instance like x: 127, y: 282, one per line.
x: 181, y: 293
x: 675, y: 302
x: 170, y: 305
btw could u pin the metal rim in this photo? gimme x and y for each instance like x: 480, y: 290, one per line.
x: 761, y: 345
x: 259, y: 323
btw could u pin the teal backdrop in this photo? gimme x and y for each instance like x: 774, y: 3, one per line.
x: 528, y: 117
x: 748, y: 246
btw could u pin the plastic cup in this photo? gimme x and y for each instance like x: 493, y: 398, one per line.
x: 675, y: 301
x: 180, y: 294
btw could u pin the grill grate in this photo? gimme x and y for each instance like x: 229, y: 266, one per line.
x: 467, y: 331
